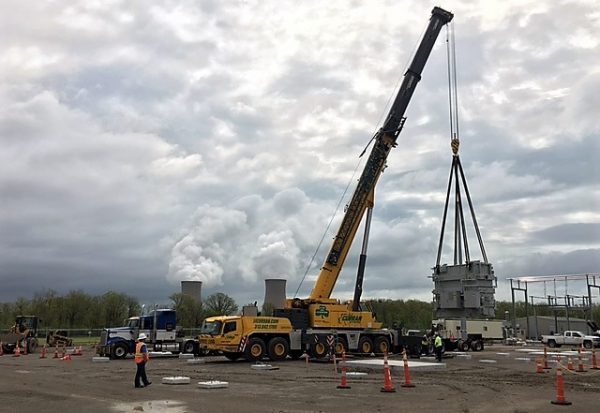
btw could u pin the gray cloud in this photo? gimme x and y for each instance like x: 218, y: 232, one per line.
x: 209, y: 140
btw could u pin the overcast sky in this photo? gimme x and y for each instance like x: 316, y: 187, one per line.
x: 144, y: 143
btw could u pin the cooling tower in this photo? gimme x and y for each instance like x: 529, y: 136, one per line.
x: 274, y: 292
x: 193, y: 289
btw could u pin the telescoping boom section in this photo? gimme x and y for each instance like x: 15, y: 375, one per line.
x: 384, y: 141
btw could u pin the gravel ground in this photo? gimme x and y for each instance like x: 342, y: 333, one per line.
x: 499, y: 379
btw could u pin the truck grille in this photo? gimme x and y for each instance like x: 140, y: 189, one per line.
x: 103, y: 337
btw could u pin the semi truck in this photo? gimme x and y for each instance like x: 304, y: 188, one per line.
x: 160, y: 326
x: 320, y: 322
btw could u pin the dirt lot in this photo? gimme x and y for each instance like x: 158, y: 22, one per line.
x: 475, y: 384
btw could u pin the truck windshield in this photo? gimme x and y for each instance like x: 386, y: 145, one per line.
x: 132, y: 322
x: 211, y: 327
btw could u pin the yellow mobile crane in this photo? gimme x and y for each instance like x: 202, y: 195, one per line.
x: 320, y: 322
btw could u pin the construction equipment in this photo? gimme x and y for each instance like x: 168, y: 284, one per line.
x: 23, y: 333
x: 161, y: 328
x: 58, y: 338
x: 320, y: 323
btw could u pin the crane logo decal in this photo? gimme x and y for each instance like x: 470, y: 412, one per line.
x: 349, y: 318
x: 322, y: 312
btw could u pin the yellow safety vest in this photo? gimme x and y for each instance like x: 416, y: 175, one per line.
x: 139, y: 356
x: 438, y: 341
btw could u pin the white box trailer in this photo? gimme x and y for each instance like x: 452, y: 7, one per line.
x: 475, y: 333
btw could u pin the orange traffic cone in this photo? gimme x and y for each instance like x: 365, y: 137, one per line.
x: 17, y: 351
x: 580, y: 368
x: 344, y: 383
x: 44, y: 350
x: 67, y: 357
x: 388, y: 387
x: 560, y: 389
x: 538, y: 366
x: 594, y: 363
x: 55, y: 352
x: 546, y: 367
x: 570, y: 364
x: 407, y: 382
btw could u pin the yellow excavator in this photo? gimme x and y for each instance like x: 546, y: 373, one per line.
x: 321, y: 324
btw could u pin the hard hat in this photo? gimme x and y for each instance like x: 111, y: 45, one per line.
x: 142, y: 336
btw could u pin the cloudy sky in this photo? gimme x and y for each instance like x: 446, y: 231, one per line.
x: 144, y: 143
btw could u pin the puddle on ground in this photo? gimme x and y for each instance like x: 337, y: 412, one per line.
x: 166, y: 406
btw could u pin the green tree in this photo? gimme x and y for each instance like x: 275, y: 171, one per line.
x: 189, y: 311
x: 116, y: 308
x: 22, y: 307
x: 220, y: 304
x: 76, y: 307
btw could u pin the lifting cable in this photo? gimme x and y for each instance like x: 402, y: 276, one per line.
x: 460, y: 233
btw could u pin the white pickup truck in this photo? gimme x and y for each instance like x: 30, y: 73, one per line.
x: 571, y: 338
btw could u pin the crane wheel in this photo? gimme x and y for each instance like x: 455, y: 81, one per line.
x: 382, y: 345
x: 255, y: 349
x: 278, y: 349
x: 318, y: 350
x: 365, y: 346
x: 340, y: 346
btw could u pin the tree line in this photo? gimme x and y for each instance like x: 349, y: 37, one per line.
x: 77, y: 309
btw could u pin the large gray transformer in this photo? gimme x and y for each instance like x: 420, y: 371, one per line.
x: 465, y: 290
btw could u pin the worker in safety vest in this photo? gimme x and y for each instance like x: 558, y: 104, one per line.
x: 141, y: 358
x: 438, y: 344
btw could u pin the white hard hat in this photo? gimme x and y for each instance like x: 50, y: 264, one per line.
x: 142, y: 336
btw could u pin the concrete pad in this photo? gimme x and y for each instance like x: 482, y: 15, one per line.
x: 488, y: 361
x: 176, y: 380
x: 196, y: 361
x: 465, y: 356
x: 503, y: 354
x: 356, y: 374
x: 213, y: 384
x: 263, y: 367
x: 186, y: 356
x: 396, y: 364
x: 541, y: 353
x: 161, y: 354
x: 523, y: 358
x: 170, y: 406
x: 527, y: 350
x: 100, y: 359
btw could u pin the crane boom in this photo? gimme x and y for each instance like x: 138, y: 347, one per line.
x: 385, y: 140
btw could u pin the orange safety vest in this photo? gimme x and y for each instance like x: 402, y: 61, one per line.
x: 139, y: 356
